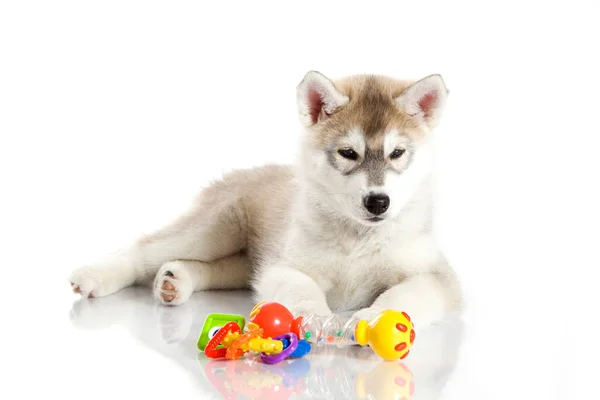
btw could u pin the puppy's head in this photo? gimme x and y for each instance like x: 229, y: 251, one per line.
x: 366, y: 138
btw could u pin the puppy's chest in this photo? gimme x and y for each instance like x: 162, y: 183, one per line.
x: 352, y: 276
x: 354, y: 282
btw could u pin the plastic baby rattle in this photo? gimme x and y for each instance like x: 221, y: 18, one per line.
x: 390, y: 334
x: 276, y: 334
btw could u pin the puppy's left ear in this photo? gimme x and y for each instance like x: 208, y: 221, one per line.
x: 318, y: 98
x: 424, y: 100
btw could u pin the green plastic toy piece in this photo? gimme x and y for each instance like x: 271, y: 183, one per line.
x: 213, y: 323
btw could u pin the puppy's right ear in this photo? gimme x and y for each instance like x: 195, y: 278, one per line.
x: 317, y: 98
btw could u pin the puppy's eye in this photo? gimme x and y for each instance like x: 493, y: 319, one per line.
x: 397, y: 153
x: 349, y: 154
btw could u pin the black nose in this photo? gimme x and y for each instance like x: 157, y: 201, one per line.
x: 377, y: 203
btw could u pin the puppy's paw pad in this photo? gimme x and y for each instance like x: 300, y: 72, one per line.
x: 168, y: 291
x: 167, y: 285
x: 173, y: 285
x: 75, y: 288
x: 308, y: 308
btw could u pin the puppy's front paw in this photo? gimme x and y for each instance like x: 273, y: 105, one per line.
x: 308, y: 308
x: 104, y: 276
x: 366, y: 313
x: 173, y: 284
x: 89, y: 282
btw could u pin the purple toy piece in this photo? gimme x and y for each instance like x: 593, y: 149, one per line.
x: 275, y: 358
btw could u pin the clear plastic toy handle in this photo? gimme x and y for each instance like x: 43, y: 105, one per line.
x: 335, y: 329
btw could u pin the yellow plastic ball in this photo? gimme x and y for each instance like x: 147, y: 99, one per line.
x: 390, y: 334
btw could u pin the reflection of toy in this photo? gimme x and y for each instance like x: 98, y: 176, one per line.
x: 386, y: 381
x: 254, y: 380
x: 296, y: 379
x: 276, y: 334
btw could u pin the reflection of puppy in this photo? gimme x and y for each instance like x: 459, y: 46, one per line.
x: 347, y: 228
x: 175, y: 326
x: 174, y: 323
x: 169, y: 331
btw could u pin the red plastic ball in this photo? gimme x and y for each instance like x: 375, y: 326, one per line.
x: 274, y: 319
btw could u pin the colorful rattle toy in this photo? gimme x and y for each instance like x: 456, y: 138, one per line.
x: 222, y: 337
x: 276, y: 334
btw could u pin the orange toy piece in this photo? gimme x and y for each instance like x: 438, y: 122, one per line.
x: 235, y: 349
x: 211, y: 349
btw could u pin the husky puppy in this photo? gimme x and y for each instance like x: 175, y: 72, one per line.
x: 346, y: 228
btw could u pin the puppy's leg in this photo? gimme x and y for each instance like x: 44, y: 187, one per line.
x: 105, y: 276
x: 177, y: 280
x: 426, y: 298
x: 292, y: 288
x: 211, y: 230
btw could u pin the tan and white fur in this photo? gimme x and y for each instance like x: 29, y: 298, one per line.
x: 346, y: 228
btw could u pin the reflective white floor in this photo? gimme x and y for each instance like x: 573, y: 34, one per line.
x: 326, y: 373
x: 128, y: 346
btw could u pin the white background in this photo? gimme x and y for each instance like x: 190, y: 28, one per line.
x: 113, y: 114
